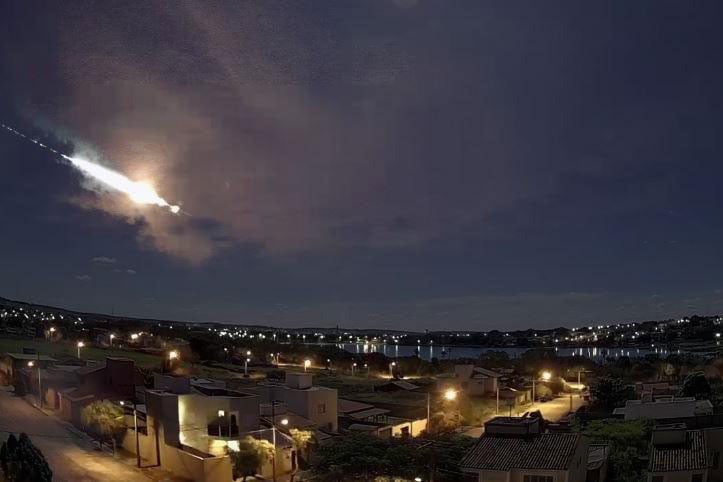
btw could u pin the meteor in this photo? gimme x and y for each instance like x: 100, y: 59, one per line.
x: 138, y: 192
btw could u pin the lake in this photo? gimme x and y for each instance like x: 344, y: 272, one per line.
x: 427, y: 352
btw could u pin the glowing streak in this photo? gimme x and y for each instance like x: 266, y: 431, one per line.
x: 138, y: 192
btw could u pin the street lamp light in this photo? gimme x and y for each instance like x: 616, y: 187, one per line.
x: 450, y: 394
x: 31, y: 364
x: 391, y: 369
x: 173, y: 355
x: 246, y: 367
x: 80, y: 345
x: 546, y: 376
x: 307, y: 364
x: 353, y: 366
x: 111, y: 339
x: 284, y: 421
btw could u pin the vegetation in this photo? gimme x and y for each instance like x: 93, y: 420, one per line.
x: 21, y: 461
x: 362, y: 457
x: 302, y: 439
x: 251, y: 455
x: 609, y: 392
x: 696, y: 385
x: 105, y: 419
x: 628, y: 442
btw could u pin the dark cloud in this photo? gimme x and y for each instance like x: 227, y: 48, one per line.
x: 374, y: 157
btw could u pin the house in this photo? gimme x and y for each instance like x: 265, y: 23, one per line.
x: 515, y: 449
x: 115, y: 379
x: 474, y: 381
x: 396, y: 386
x: 678, y: 454
x: 12, y: 362
x: 662, y: 408
x: 649, y: 390
x: 300, y: 396
x: 191, y: 425
x: 597, y: 462
x: 379, y: 421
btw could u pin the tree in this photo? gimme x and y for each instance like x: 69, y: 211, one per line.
x: 251, y: 455
x: 21, y: 461
x: 302, y: 438
x: 696, y: 385
x: 628, y: 442
x: 609, y: 392
x: 104, y: 418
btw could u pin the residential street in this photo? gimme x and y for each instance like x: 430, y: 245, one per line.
x: 552, y: 411
x: 71, y: 457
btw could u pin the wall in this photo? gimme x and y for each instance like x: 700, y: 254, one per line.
x: 175, y: 460
x: 682, y: 476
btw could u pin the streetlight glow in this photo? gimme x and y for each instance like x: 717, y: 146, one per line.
x: 284, y: 421
x: 546, y: 376
x: 172, y: 355
x: 31, y: 363
x: 450, y: 394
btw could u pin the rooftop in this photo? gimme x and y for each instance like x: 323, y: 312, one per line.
x: 349, y: 406
x: 30, y: 356
x: 691, y: 455
x: 548, y: 451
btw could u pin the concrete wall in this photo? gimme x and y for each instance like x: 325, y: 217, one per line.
x: 682, y: 476
x: 179, y: 462
x: 415, y: 427
x: 317, y: 404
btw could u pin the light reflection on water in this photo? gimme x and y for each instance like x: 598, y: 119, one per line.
x: 453, y: 352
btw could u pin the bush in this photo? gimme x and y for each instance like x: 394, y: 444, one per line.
x: 21, y: 461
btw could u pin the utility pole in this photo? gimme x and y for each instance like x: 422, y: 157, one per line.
x: 273, y: 437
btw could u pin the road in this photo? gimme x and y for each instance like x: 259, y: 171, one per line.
x: 552, y: 411
x: 71, y: 457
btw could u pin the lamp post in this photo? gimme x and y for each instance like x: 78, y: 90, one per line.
x: 111, y: 339
x: 391, y: 369
x: 80, y: 345
x: 31, y: 364
x: 221, y: 414
x: 307, y: 364
x: 366, y: 365
x: 135, y: 427
x: 546, y: 376
x: 353, y: 366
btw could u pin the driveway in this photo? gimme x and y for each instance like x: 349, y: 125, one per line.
x: 71, y: 457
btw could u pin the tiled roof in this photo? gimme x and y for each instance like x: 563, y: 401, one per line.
x: 547, y: 451
x: 690, y: 456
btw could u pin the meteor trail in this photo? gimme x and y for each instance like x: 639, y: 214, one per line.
x: 138, y: 192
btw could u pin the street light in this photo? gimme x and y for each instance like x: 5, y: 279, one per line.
x: 284, y: 421
x: 391, y: 369
x: 173, y: 355
x: 111, y: 339
x: 31, y: 364
x: 246, y: 367
x: 80, y: 345
x: 307, y: 364
x: 545, y: 376
x: 450, y: 394
x: 353, y: 366
x: 135, y: 427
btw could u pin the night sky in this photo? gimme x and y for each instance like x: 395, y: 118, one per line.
x: 389, y: 163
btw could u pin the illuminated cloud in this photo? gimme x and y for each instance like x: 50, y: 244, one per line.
x: 103, y: 260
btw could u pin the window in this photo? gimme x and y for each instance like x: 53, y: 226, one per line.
x: 696, y: 478
x: 322, y: 408
x: 538, y: 478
